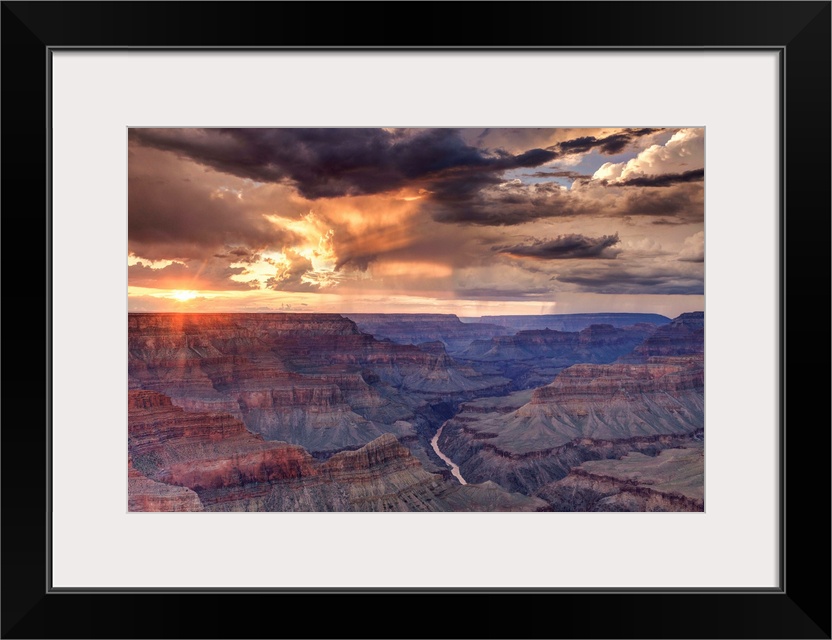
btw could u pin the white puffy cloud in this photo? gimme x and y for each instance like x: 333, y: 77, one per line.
x: 684, y: 151
x: 693, y: 249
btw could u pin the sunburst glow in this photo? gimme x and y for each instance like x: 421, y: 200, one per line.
x: 183, y: 296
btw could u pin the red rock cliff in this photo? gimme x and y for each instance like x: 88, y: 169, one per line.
x: 206, y: 451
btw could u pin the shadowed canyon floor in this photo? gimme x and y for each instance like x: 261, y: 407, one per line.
x: 321, y: 412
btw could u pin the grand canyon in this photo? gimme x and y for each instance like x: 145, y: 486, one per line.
x: 398, y: 319
x: 415, y: 412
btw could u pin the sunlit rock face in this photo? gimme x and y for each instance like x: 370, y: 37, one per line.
x: 213, y: 454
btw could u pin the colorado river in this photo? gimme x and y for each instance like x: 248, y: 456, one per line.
x: 454, y: 468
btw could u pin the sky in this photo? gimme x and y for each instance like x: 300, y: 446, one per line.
x: 466, y: 221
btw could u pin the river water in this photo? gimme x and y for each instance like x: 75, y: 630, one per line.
x: 454, y: 468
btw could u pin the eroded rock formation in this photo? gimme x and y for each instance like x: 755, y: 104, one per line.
x: 589, y: 412
x: 669, y: 481
x: 306, y: 412
x: 684, y: 336
x: 191, y: 461
x: 309, y: 379
x: 145, y: 494
x: 573, y: 321
x: 416, y: 328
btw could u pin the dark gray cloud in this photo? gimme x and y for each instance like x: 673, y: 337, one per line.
x: 177, y: 210
x: 325, y: 163
x: 664, y: 180
x: 683, y: 201
x: 517, y: 203
x: 571, y: 246
x: 180, y: 213
x: 510, y: 204
x: 505, y: 294
x: 572, y: 175
x: 239, y: 254
x: 612, y: 279
x: 608, y: 145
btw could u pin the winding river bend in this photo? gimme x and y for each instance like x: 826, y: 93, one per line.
x: 454, y: 468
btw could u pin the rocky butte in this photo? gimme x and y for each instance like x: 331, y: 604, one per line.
x: 315, y: 412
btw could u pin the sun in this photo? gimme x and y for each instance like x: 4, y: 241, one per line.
x: 183, y: 296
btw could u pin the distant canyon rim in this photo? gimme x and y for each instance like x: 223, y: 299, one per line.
x: 415, y: 412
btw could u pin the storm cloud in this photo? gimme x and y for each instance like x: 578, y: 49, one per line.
x: 325, y: 216
x: 326, y: 163
x: 510, y: 203
x: 516, y: 203
x: 635, y: 280
x: 572, y: 175
x: 685, y: 201
x: 565, y: 247
x: 458, y: 182
x: 178, y: 210
x: 664, y: 180
x: 607, y: 145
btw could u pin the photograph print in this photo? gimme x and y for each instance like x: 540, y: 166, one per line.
x: 425, y: 319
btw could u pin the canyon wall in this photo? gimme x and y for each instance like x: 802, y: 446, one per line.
x: 416, y: 328
x: 308, y: 379
x: 192, y: 461
x: 647, y: 401
x: 571, y: 321
x: 308, y: 412
x: 669, y: 481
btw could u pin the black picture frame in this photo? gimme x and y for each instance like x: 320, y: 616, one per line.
x: 798, y: 608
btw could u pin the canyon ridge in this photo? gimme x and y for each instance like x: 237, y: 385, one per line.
x: 415, y: 412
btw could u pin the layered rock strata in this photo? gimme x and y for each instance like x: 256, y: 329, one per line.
x: 183, y: 460
x: 416, y: 328
x: 647, y: 401
x: 145, y: 494
x: 213, y: 454
x: 673, y: 480
x: 533, y: 358
x: 588, y: 412
x: 683, y: 337
x: 573, y: 321
x: 309, y: 379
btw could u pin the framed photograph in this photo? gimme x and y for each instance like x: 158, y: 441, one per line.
x: 521, y: 287
x: 465, y: 320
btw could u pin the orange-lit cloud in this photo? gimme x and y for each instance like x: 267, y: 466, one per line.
x: 411, y: 269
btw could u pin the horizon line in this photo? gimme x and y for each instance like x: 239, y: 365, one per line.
x: 348, y: 313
